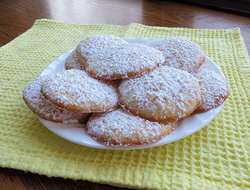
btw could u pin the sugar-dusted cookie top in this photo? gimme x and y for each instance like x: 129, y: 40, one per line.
x: 73, y: 62
x: 123, y: 61
x: 93, y: 44
x: 180, y: 53
x: 74, y: 90
x: 45, y: 109
x: 214, y: 89
x: 165, y: 94
x: 119, y: 128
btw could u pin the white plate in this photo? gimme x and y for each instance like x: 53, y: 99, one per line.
x: 76, y: 132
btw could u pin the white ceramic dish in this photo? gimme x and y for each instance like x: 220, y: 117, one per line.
x: 76, y: 132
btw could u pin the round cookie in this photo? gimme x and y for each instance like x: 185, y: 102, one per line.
x: 74, y: 90
x: 214, y: 90
x: 45, y: 109
x: 123, y: 61
x: 93, y: 44
x: 180, y: 53
x: 72, y: 62
x: 119, y: 128
x: 165, y: 94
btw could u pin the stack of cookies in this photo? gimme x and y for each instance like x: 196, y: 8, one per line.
x: 127, y: 93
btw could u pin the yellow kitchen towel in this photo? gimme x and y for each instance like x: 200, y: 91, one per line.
x: 215, y: 157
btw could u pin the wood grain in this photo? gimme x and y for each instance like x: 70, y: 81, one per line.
x: 20, y: 180
x: 17, y: 16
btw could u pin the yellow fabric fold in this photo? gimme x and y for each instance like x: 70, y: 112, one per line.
x: 215, y: 157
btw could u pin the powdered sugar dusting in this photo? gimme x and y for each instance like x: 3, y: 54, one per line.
x: 75, y: 89
x: 180, y: 53
x: 45, y: 109
x: 124, y: 61
x: 214, y: 89
x: 119, y: 125
x: 165, y: 93
x: 91, y: 45
x: 72, y: 62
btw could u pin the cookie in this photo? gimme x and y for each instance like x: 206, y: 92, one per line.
x: 214, y: 90
x: 119, y: 128
x: 72, y: 62
x: 93, y: 44
x: 74, y: 90
x: 123, y: 61
x: 165, y: 94
x: 45, y: 109
x: 180, y: 53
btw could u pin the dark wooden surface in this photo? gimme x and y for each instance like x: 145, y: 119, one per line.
x: 18, y: 16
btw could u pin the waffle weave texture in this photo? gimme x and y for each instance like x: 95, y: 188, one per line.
x: 215, y: 157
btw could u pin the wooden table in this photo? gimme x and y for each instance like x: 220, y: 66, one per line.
x: 18, y: 16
